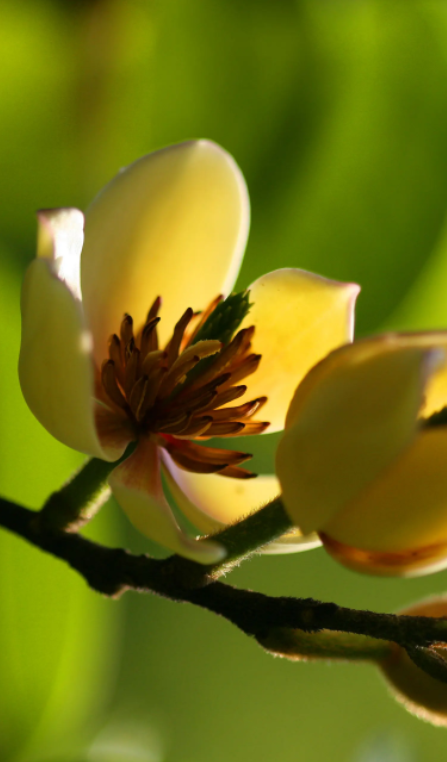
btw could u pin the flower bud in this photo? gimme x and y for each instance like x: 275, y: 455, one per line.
x: 362, y: 458
x: 422, y: 695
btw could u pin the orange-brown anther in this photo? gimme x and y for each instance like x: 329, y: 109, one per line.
x: 131, y: 369
x: 154, y: 310
x: 149, y: 341
x: 163, y: 401
x: 110, y: 384
x: 237, y: 473
x: 174, y: 345
x: 233, y: 393
x: 126, y: 329
x: 225, y: 429
x: 242, y: 411
x: 153, y: 360
x: 137, y: 396
x: 245, y: 368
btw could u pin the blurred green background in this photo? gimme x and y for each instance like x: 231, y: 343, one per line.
x: 336, y: 111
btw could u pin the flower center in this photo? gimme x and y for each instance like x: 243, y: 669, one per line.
x: 177, y: 394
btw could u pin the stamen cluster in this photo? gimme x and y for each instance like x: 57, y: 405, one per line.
x: 176, y: 394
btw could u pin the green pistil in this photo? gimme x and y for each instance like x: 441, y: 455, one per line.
x: 224, y: 321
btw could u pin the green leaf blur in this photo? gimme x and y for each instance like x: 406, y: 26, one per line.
x: 337, y: 114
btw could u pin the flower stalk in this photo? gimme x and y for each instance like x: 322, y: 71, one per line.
x: 79, y: 500
x: 245, y: 537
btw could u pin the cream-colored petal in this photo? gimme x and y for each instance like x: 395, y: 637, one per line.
x: 172, y: 224
x: 293, y: 542
x: 211, y: 502
x: 436, y: 390
x: 352, y: 416
x: 405, y: 508
x: 299, y: 318
x: 115, y: 431
x: 60, y: 235
x: 435, y: 397
x: 136, y: 484
x: 55, y: 365
x: 414, y: 562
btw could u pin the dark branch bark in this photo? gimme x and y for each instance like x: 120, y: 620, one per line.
x: 113, y: 571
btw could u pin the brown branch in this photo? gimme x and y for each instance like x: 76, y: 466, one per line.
x: 113, y: 571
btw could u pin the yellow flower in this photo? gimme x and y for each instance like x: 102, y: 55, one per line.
x: 421, y: 694
x: 361, y: 462
x: 99, y: 370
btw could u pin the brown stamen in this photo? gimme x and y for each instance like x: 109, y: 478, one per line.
x: 126, y: 329
x: 213, y: 455
x: 248, y: 366
x: 254, y: 427
x: 110, y: 385
x: 154, y: 380
x: 169, y: 395
x: 137, y: 396
x: 149, y: 339
x: 132, y: 355
x: 116, y: 355
x: 195, y: 427
x: 242, y: 411
x: 175, y: 425
x: 222, y: 398
x: 225, y: 429
x: 186, y: 362
x: 153, y: 360
x: 237, y: 473
x: 154, y: 310
x: 203, y: 318
x: 174, y: 345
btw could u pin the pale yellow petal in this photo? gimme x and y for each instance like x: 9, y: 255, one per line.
x: 211, y: 502
x: 435, y: 397
x: 172, y: 224
x: 352, y: 416
x: 413, y: 562
x: 136, y: 485
x: 299, y: 318
x: 406, y: 507
x: 293, y: 542
x: 55, y: 365
x: 115, y: 430
x: 436, y: 390
x: 60, y: 234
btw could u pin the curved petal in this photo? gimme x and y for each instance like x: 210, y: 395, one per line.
x: 55, y: 366
x: 422, y: 695
x: 435, y: 396
x: 173, y: 224
x: 299, y: 318
x: 352, y: 416
x: 413, y: 562
x: 136, y: 484
x: 293, y: 542
x: 115, y: 431
x: 211, y: 502
x: 405, y: 508
x: 60, y: 234
x: 436, y: 391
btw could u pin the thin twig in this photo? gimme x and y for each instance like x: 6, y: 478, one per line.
x: 113, y: 571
